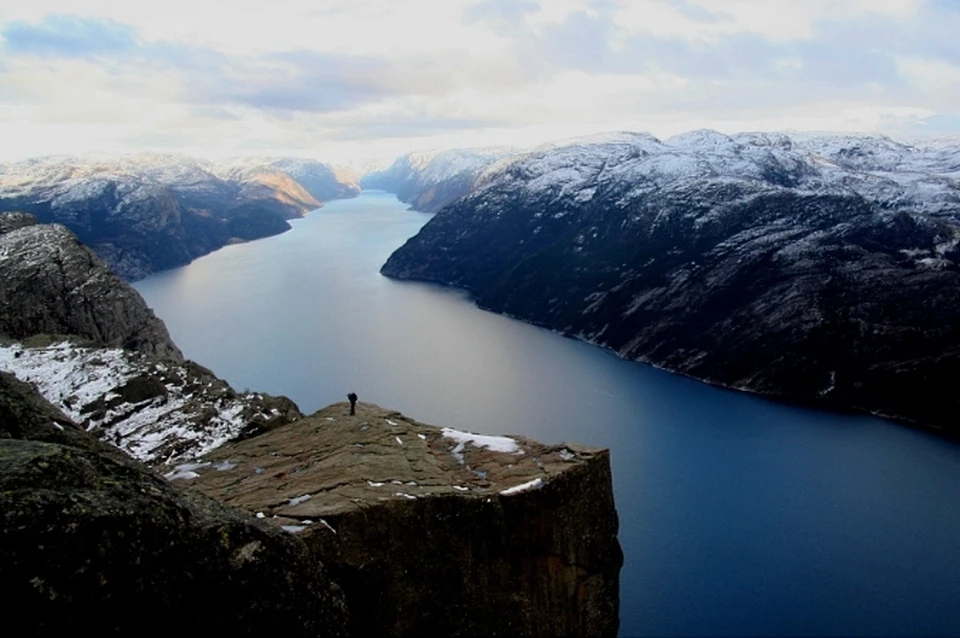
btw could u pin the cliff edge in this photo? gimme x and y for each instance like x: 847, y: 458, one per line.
x: 433, y: 531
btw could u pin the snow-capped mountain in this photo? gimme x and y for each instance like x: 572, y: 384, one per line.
x: 322, y: 181
x: 820, y: 268
x: 148, y: 212
x: 430, y: 181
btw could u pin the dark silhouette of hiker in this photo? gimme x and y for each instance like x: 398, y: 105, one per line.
x: 352, y: 397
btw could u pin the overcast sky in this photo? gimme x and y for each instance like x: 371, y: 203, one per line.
x: 351, y: 79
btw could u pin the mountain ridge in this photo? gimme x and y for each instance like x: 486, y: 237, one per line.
x: 148, y: 212
x: 822, y: 270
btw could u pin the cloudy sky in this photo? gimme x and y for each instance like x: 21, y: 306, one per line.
x: 345, y: 80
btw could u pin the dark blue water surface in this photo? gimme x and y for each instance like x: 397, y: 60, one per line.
x: 737, y: 515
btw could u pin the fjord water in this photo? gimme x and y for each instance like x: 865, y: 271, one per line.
x: 737, y: 515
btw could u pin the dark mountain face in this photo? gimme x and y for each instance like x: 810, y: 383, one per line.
x: 51, y: 284
x: 150, y: 213
x: 742, y: 264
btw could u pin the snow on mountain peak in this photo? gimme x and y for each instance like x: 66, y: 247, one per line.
x: 877, y: 167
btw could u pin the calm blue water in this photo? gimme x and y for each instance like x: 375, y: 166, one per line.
x: 737, y: 515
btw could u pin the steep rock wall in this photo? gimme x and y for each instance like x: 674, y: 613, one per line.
x: 749, y: 262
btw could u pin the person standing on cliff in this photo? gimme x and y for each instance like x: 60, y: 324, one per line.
x: 352, y: 397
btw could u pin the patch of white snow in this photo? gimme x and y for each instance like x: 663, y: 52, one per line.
x: 293, y: 529
x: 535, y: 484
x: 494, y: 443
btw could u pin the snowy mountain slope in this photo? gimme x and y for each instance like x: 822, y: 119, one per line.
x: 322, y: 181
x: 823, y: 269
x: 157, y: 411
x: 430, y: 181
x: 148, y: 212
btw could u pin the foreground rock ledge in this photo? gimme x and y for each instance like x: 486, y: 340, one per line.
x: 434, y: 531
x: 94, y: 543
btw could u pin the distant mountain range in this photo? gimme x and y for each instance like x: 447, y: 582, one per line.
x: 822, y: 268
x: 146, y: 213
x: 813, y: 268
x: 430, y: 181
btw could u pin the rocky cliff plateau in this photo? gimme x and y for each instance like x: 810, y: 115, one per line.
x: 819, y: 269
x: 434, y: 531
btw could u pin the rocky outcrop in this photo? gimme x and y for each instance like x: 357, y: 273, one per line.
x: 51, y: 283
x: 822, y: 270
x: 15, y: 221
x: 433, y: 531
x: 146, y: 213
x: 95, y: 543
x: 430, y: 181
x: 155, y: 410
x: 117, y: 374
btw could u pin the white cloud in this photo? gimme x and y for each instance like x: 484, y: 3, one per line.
x: 374, y: 27
x: 777, y: 20
x: 380, y: 76
x: 937, y: 78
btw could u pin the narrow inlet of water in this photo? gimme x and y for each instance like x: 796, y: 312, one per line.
x: 738, y: 516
